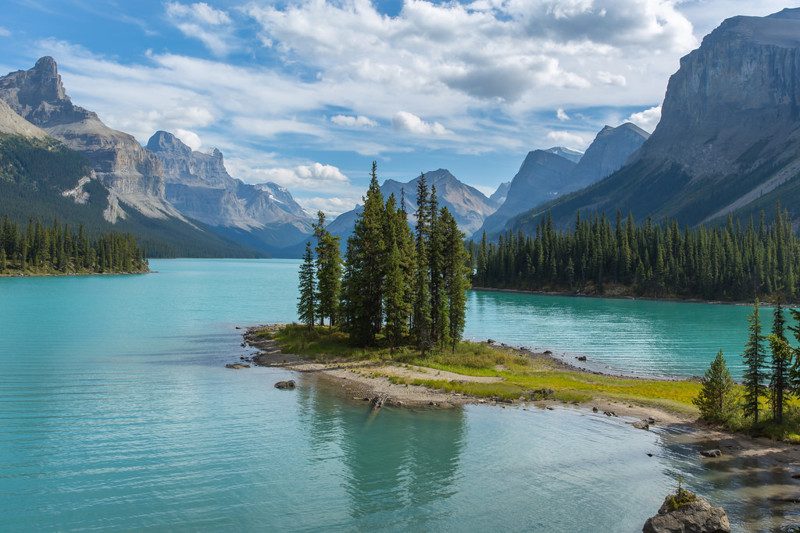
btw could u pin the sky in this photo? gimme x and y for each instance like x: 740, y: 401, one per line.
x: 308, y: 93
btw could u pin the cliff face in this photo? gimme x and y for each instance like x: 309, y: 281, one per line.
x: 729, y: 137
x: 200, y: 187
x: 132, y: 174
x: 549, y: 174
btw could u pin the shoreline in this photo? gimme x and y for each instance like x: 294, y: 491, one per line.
x: 369, y: 381
x: 571, y: 294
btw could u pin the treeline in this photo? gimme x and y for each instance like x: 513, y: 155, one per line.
x: 720, y: 263
x: 407, y: 286
x: 40, y: 249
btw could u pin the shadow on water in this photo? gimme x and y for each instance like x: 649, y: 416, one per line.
x: 398, y: 464
x: 757, y: 492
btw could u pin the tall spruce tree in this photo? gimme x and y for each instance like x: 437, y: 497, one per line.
x: 307, y: 304
x: 365, y: 269
x: 781, y: 353
x: 455, y: 276
x: 755, y: 363
x: 422, y: 284
x: 329, y: 271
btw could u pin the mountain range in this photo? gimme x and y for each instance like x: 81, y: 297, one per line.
x: 728, y: 141
x: 548, y: 174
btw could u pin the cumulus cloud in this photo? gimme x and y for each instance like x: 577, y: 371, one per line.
x: 354, y: 122
x: 315, y: 176
x: 200, y: 21
x: 647, y: 119
x: 189, y: 138
x: 569, y: 139
x: 561, y: 115
x: 405, y: 121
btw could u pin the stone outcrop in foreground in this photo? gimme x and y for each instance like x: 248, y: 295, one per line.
x: 693, y: 517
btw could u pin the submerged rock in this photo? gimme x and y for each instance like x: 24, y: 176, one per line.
x: 236, y: 366
x: 291, y: 384
x: 711, y: 453
x: 693, y: 517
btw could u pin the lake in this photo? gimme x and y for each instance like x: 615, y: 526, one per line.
x: 117, y: 412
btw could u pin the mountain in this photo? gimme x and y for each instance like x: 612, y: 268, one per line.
x: 729, y: 137
x: 60, y: 159
x: 264, y: 216
x: 541, y: 177
x: 468, y: 205
x: 549, y: 174
x: 499, y: 196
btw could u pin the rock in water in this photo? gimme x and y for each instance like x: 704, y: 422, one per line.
x: 291, y: 384
x: 694, y: 517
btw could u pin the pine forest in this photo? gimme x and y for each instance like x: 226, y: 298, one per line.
x: 727, y: 263
x: 55, y: 249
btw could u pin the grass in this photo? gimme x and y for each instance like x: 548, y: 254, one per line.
x: 520, y: 376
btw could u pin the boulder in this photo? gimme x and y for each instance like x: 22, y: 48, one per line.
x: 641, y: 424
x: 693, y: 517
x: 711, y: 453
x: 291, y: 384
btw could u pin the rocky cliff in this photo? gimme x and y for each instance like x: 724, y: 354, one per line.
x: 728, y: 140
x: 133, y: 175
x: 199, y: 185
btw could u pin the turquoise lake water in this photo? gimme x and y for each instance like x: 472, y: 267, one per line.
x: 117, y: 412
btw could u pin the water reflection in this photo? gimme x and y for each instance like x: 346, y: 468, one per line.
x: 398, y: 465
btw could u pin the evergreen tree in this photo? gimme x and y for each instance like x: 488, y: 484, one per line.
x: 329, y: 271
x: 716, y: 399
x: 455, y: 275
x: 307, y: 305
x: 755, y: 362
x: 422, y: 290
x: 396, y: 305
x: 781, y: 362
x: 364, y: 274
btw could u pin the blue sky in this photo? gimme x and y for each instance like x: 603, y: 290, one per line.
x: 308, y: 93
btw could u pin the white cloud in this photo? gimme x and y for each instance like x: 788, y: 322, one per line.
x: 200, y: 12
x: 315, y: 176
x: 354, y: 122
x: 405, y: 121
x: 189, y: 138
x: 611, y: 79
x: 576, y: 141
x: 4, y: 32
x: 647, y: 119
x: 561, y: 115
x: 201, y: 21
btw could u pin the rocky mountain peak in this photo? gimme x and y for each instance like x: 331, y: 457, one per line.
x: 163, y: 141
x: 38, y: 95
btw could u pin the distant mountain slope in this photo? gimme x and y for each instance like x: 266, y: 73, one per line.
x: 549, y: 174
x: 468, y: 205
x: 264, y: 216
x: 728, y: 140
x: 501, y: 193
x: 99, y: 177
x: 42, y: 178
